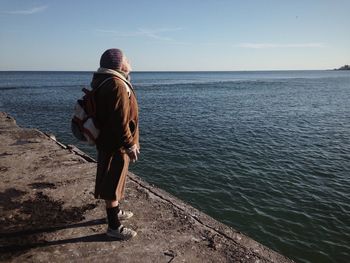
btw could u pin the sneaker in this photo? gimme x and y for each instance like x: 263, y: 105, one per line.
x: 121, y: 233
x: 123, y: 215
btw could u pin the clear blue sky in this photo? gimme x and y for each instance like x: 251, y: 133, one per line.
x: 175, y: 34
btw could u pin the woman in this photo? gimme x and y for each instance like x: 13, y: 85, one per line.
x: 118, y: 142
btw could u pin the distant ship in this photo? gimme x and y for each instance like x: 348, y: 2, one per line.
x: 345, y: 67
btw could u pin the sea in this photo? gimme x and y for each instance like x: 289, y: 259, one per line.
x: 265, y: 152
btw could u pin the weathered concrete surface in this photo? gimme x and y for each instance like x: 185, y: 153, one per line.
x: 48, y: 213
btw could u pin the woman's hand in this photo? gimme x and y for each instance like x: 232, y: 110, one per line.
x: 133, y: 153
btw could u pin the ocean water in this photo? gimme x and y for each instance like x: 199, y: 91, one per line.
x: 267, y: 153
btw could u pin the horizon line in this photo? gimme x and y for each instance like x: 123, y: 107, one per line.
x: 141, y: 71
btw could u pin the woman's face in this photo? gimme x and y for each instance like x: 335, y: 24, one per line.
x: 126, y: 67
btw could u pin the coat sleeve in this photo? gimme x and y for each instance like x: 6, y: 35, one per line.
x: 120, y: 115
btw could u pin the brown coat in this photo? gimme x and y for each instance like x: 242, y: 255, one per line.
x: 117, y: 117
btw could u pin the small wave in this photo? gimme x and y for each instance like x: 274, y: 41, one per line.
x: 194, y: 84
x: 40, y: 87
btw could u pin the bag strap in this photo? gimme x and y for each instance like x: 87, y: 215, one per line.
x: 117, y: 74
x: 103, y: 82
x: 127, y: 85
x: 87, y: 91
x: 90, y: 104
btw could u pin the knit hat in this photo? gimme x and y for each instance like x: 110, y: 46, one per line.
x: 112, y: 59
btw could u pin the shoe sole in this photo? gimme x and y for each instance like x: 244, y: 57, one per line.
x: 121, y: 238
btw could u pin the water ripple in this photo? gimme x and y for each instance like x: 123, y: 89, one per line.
x: 264, y: 152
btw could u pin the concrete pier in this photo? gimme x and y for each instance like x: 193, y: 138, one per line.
x: 49, y: 214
